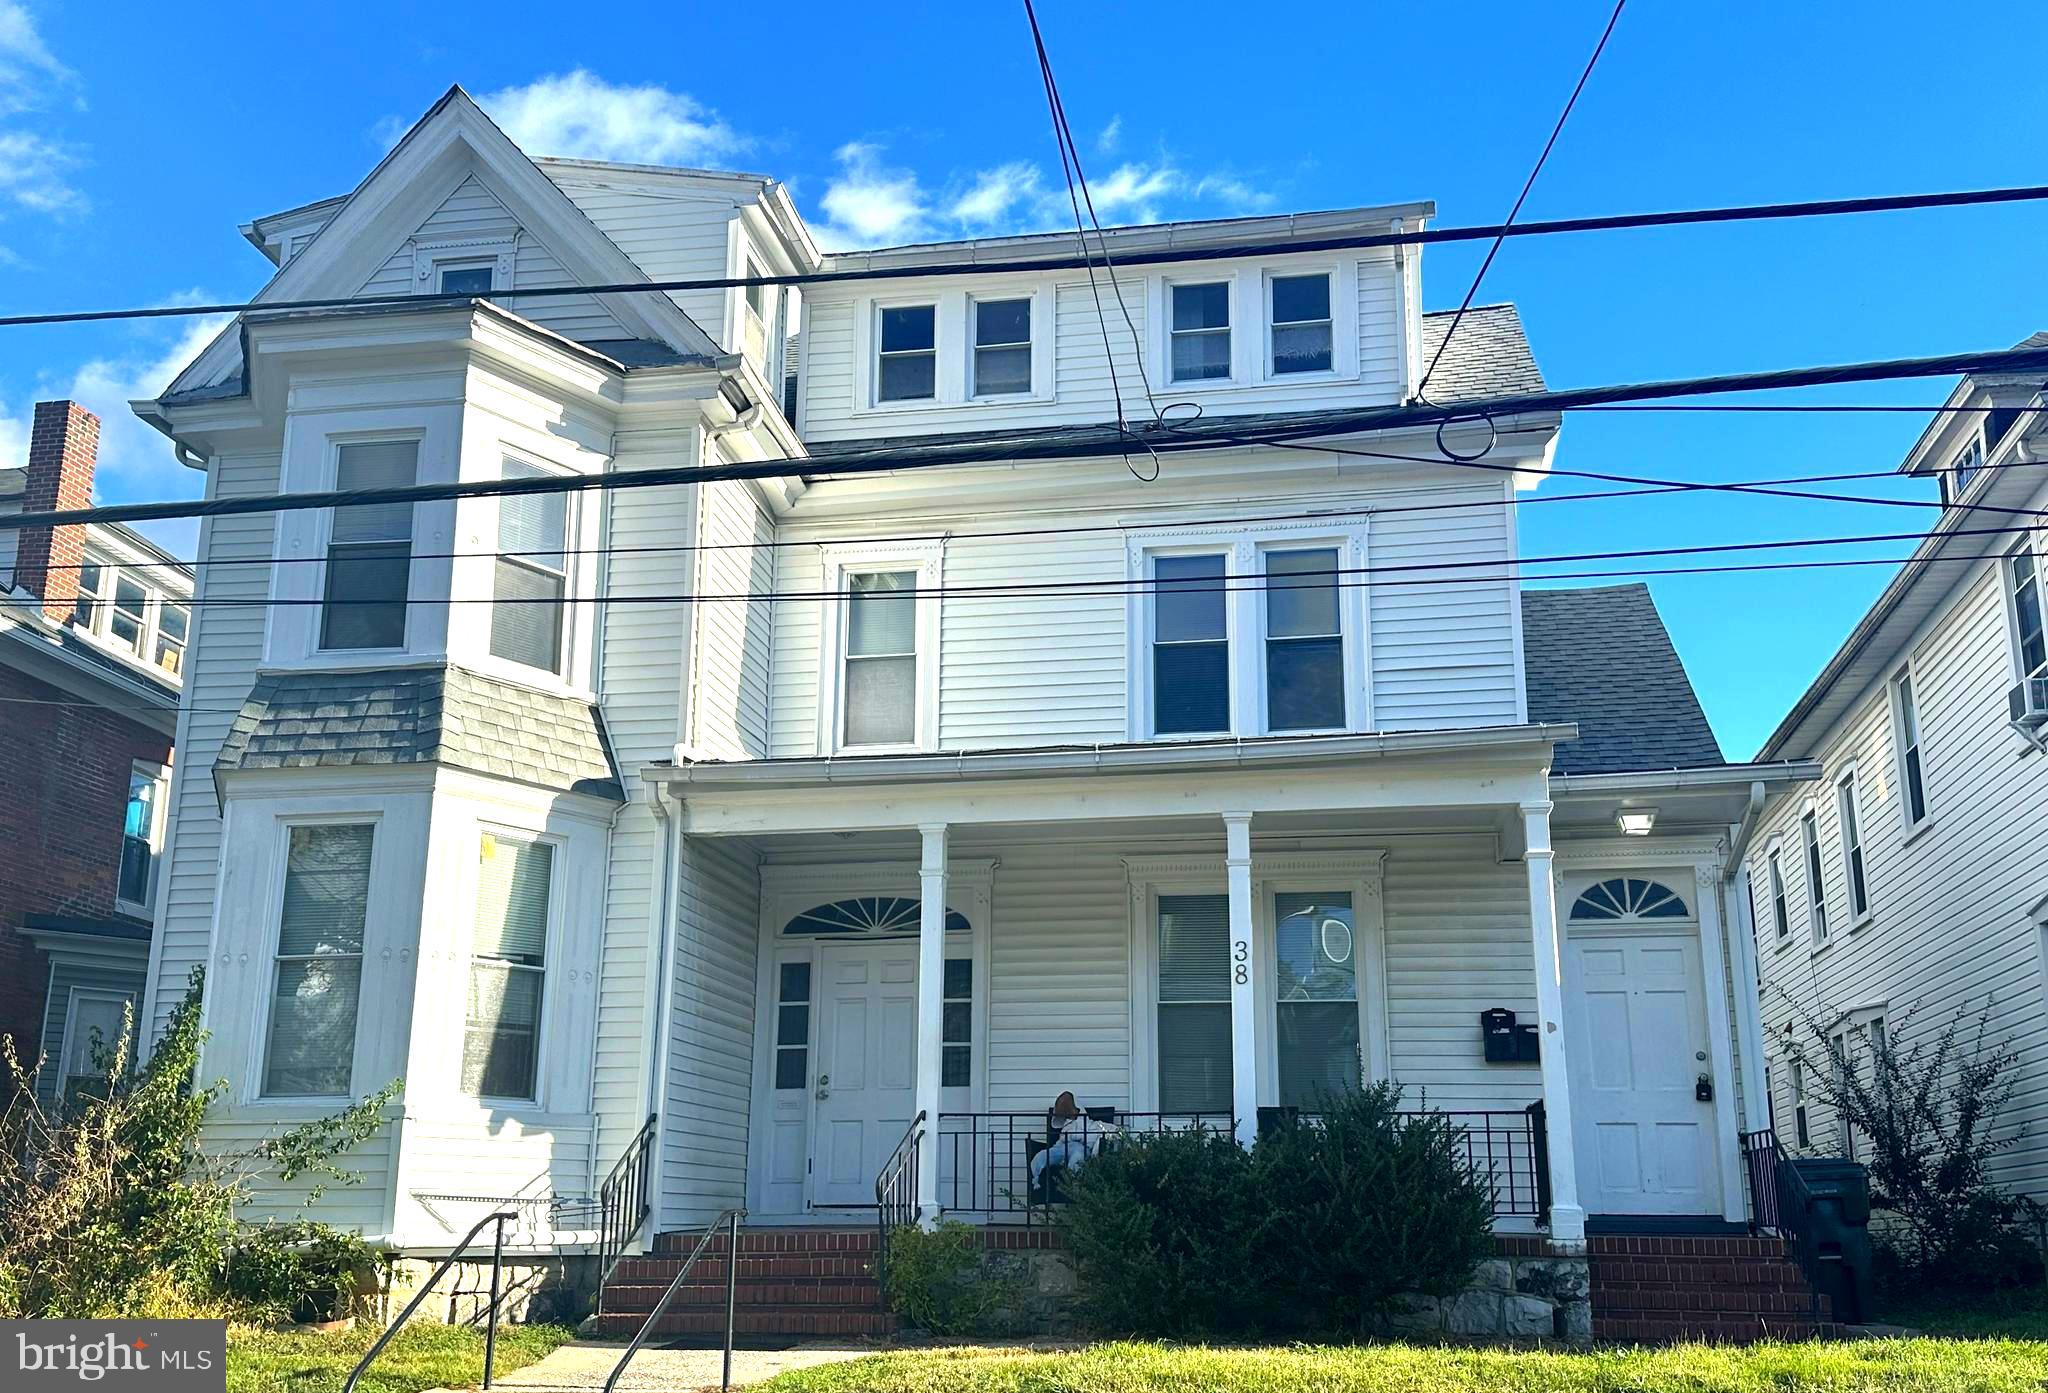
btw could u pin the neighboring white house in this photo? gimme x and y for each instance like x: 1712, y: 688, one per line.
x: 864, y: 797
x: 1909, y: 880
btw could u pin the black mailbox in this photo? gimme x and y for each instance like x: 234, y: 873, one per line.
x: 1497, y: 1031
x: 1528, y: 1045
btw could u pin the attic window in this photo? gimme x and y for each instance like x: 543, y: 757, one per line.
x: 466, y: 278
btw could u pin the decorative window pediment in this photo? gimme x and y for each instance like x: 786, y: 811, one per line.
x: 1628, y: 897
x: 873, y: 915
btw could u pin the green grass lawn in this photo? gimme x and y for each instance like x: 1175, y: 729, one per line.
x: 423, y: 1356
x: 1880, y: 1366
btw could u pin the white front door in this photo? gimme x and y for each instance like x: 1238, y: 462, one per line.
x: 866, y: 1085
x: 1646, y: 1142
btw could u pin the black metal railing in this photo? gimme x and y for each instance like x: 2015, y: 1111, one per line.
x: 1781, y: 1205
x: 896, y: 1191
x: 500, y: 1219
x: 730, y: 1222
x: 623, y: 1202
x: 1761, y: 1153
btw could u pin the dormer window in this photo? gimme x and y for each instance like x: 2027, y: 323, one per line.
x: 1002, y: 347
x: 1301, y: 336
x: 466, y: 278
x: 906, y: 367
x: 116, y: 606
x: 1200, y: 345
x: 1968, y: 464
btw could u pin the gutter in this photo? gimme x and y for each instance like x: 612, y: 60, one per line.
x: 1681, y: 780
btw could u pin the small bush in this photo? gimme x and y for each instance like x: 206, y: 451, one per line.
x: 296, y: 1271
x: 936, y: 1281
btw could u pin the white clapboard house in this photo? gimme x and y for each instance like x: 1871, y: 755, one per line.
x: 839, y: 820
x: 1907, y: 884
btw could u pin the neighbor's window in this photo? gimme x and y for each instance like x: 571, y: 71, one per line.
x: 1190, y: 646
x: 2023, y: 587
x: 172, y: 624
x: 1002, y: 347
x: 369, y: 550
x: 1304, y: 641
x: 318, y: 973
x: 1779, y: 920
x: 757, y: 294
x: 1852, y: 847
x: 139, y: 825
x: 1816, y: 898
x: 956, y: 1048
x: 1200, y: 349
x: 130, y: 616
x: 880, y: 694
x: 1906, y: 731
x: 507, y: 967
x: 472, y: 279
x: 1967, y: 465
x: 94, y: 1028
x: 1316, y: 982
x: 792, y: 1025
x: 906, y: 367
x: 531, y: 585
x: 1194, y: 1004
x: 92, y: 583
x: 1301, y: 323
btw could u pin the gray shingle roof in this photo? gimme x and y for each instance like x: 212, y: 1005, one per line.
x: 422, y: 716
x: 1601, y: 656
x: 1489, y: 355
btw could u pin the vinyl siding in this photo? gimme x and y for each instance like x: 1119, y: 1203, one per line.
x: 679, y: 236
x: 711, y: 1047
x: 729, y: 704
x: 1443, y: 646
x: 1950, y: 928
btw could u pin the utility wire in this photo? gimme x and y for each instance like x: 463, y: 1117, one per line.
x: 1063, y: 445
x: 1521, y: 198
x: 1753, y: 212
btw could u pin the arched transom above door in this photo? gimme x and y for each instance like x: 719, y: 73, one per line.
x: 875, y: 916
x: 1626, y: 899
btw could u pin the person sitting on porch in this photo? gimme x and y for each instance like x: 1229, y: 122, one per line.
x: 1072, y: 1137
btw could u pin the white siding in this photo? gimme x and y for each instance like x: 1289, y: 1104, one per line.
x: 729, y: 703
x: 670, y: 236
x: 793, y: 712
x: 1443, y: 646
x: 1950, y: 925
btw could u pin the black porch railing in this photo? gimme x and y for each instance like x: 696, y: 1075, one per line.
x: 623, y: 1202
x: 1780, y: 1204
x: 896, y: 1192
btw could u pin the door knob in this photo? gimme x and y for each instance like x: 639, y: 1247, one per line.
x: 824, y: 1080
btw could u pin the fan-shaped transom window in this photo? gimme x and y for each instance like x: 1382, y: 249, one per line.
x: 868, y: 914
x: 1626, y: 897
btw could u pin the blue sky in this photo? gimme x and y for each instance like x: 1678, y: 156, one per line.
x: 130, y: 152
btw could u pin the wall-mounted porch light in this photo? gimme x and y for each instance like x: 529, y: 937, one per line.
x: 1636, y: 822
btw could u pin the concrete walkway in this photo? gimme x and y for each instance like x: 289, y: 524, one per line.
x: 585, y: 1364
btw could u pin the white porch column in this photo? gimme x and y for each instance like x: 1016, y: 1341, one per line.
x: 1244, y: 984
x: 1567, y: 1217
x: 1749, y: 1039
x: 931, y: 998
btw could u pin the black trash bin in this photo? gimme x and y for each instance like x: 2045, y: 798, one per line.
x: 1824, y: 1203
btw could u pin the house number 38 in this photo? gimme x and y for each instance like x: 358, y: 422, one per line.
x: 1241, y: 971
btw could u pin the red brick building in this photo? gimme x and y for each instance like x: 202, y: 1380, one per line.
x: 93, y: 627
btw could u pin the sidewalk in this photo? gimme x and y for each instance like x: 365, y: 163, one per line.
x: 585, y: 1364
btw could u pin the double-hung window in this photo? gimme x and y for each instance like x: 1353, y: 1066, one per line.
x: 141, y: 822
x: 1190, y: 645
x: 880, y: 690
x: 1779, y: 921
x: 1002, y: 347
x: 369, y: 550
x: 1316, y: 983
x: 507, y: 968
x: 530, y: 587
x: 1816, y: 895
x: 92, y: 591
x: 2023, y: 588
x: 129, y: 618
x: 1304, y: 641
x: 173, y: 622
x: 1301, y: 326
x: 1906, y: 735
x: 318, y: 970
x: 1852, y: 846
x: 1194, y: 1004
x: 907, y: 356
x: 1199, y: 345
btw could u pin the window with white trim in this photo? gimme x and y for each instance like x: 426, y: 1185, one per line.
x: 1776, y: 873
x: 173, y: 623
x: 1316, y: 1017
x: 1300, y: 328
x: 1190, y: 645
x: 879, y: 691
x: 96, y: 1023
x: 1966, y: 466
x: 142, y: 824
x: 906, y: 353
x: 1906, y: 740
x: 93, y: 580
x: 129, y: 618
x: 1194, y: 1062
x: 2023, y: 586
x: 1816, y: 895
x: 507, y: 967
x: 1304, y: 640
x: 1002, y: 347
x: 119, y: 605
x: 1850, y: 814
x: 317, y: 972
x: 1198, y: 337
x: 956, y: 1025
x: 792, y: 1026
x: 530, y: 584
x: 369, y: 550
x: 465, y: 277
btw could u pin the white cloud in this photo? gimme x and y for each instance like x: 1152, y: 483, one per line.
x: 994, y: 193
x: 33, y: 172
x: 579, y: 115
x: 1112, y: 134
x: 870, y: 204
x: 1133, y: 191
x: 28, y: 70
x: 34, y: 168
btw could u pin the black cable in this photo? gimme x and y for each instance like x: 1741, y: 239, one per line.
x: 1615, y: 222
x: 1065, y: 445
x: 1521, y: 198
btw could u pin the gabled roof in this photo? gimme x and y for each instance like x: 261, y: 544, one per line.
x: 1600, y: 656
x: 1488, y: 357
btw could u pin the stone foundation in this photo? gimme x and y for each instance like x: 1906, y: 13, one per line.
x: 547, y: 1287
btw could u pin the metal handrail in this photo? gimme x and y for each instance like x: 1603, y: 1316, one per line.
x: 1779, y: 1202
x: 731, y: 1220
x: 622, y: 1203
x: 893, y: 1206
x: 491, y: 1319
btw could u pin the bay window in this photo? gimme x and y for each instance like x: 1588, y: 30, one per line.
x: 369, y: 550
x: 507, y: 968
x: 881, y: 676
x: 1190, y: 646
x: 1194, y: 1004
x: 531, y: 581
x: 318, y: 964
x: 1320, y: 1050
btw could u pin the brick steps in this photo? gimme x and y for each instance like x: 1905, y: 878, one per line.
x: 1660, y: 1289
x: 791, y: 1282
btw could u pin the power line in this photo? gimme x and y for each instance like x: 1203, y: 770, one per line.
x: 1083, y: 443
x: 1521, y: 198
x: 1752, y: 212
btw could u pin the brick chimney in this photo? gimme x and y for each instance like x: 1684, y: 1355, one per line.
x: 63, y: 446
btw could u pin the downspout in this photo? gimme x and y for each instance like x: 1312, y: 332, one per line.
x: 662, y: 921
x: 1748, y: 1004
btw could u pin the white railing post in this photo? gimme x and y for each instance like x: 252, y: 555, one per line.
x: 931, y: 998
x: 1567, y: 1217
x: 1244, y: 977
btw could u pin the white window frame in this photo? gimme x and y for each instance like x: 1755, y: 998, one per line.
x: 324, y: 537
x: 432, y: 255
x: 101, y: 609
x: 551, y: 959
x: 1957, y: 484
x: 1343, y: 347
x: 1775, y: 893
x: 1244, y: 551
x: 259, y: 1041
x: 927, y: 561
x: 2009, y: 588
x: 972, y: 339
x: 1241, y: 370
x: 872, y: 357
x: 1909, y: 675
x: 567, y: 642
x: 77, y: 994
x: 1813, y: 869
x: 160, y: 775
x: 953, y: 341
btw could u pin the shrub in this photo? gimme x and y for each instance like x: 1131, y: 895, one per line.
x: 111, y: 1207
x: 296, y: 1271
x: 1926, y: 1109
x: 938, y: 1283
